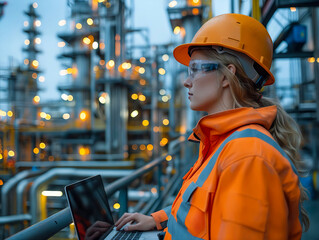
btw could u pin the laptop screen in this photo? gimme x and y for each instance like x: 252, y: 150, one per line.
x: 90, y: 209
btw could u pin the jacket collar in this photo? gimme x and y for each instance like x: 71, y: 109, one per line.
x: 226, y: 121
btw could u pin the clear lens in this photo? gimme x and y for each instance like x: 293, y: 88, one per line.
x: 197, y: 66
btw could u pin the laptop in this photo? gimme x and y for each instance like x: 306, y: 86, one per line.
x: 92, y: 215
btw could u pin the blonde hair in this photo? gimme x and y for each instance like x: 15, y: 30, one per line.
x: 284, y: 128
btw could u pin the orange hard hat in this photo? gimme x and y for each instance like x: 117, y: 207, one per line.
x: 239, y: 35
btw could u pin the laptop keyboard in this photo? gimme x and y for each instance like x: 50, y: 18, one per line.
x: 122, y: 235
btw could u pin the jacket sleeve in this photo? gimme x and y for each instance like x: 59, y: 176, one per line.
x: 161, y: 217
x: 247, y: 190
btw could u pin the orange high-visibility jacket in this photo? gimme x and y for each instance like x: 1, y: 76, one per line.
x: 243, y: 185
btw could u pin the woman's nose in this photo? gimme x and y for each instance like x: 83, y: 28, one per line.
x: 188, y: 82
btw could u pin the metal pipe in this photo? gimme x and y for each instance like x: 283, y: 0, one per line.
x: 14, y: 218
x: 123, y: 199
x: 86, y: 164
x: 20, y: 191
x: 11, y: 184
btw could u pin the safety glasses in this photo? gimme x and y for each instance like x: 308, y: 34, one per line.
x: 201, y: 66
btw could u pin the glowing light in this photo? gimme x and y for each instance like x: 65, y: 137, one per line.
x: 134, y: 146
x: 36, y: 150
x: 41, y: 79
x: 34, y: 75
x: 43, y: 114
x: 165, y: 57
x: 27, y: 42
x: 25, y: 23
x: 195, y: 11
x: 142, y: 98
x: 177, y: 30
x: 1, y: 157
x: 161, y: 71
x: 3, y: 113
x: 42, y: 145
x: 145, y: 123
x: 168, y: 158
x: 78, y: 26
x: 165, y: 98
x: 101, y: 1
x: 141, y: 70
x: 89, y: 21
x: 11, y: 153
x: 104, y: 98
x: 95, y: 45
x: 165, y: 122
x: 142, y: 147
x: 62, y: 22
x: 156, y: 129
x: 154, y: 190
x: 126, y: 65
x: 66, y: 116
x: 142, y: 59
x: 64, y: 96
x: 35, y: 63
x: 48, y: 117
x: 37, y: 23
x: 83, y: 115
x: 172, y: 4
x: 63, y: 72
x: 163, y: 142
x: 311, y: 60
x: 70, y: 98
x: 162, y: 91
x: 52, y: 193
x: 101, y: 62
x: 38, y: 40
x: 116, y: 206
x: 26, y: 61
x: 1, y: 181
x: 110, y: 64
x: 134, y: 96
x: 61, y: 44
x: 134, y: 113
x: 36, y: 99
x: 293, y: 9
x: 142, y: 82
x: 317, y: 60
x: 82, y: 151
x: 86, y: 40
x: 10, y: 113
x: 149, y: 147
x: 69, y: 71
x: 34, y: 5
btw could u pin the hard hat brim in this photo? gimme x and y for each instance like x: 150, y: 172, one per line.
x: 181, y: 55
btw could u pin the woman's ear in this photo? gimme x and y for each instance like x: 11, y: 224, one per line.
x: 232, y: 69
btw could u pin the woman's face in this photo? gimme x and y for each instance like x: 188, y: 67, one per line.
x: 205, y: 88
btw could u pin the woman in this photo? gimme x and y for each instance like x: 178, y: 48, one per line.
x: 243, y: 185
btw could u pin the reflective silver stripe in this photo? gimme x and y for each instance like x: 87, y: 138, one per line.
x: 177, y: 228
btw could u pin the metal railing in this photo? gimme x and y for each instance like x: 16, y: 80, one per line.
x: 55, y: 223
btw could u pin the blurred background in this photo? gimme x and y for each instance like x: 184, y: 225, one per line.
x: 91, y: 87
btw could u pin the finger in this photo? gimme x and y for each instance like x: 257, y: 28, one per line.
x: 125, y: 221
x: 134, y: 227
x: 125, y: 215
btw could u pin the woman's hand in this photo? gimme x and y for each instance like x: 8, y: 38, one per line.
x: 139, y: 222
